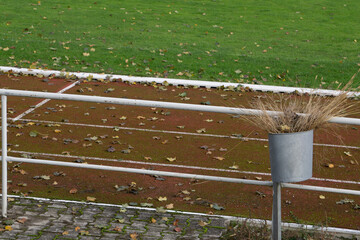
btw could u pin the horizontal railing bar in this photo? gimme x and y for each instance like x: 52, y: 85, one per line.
x: 132, y: 102
x: 158, y: 104
x: 321, y: 189
x: 183, y: 175
x: 141, y: 171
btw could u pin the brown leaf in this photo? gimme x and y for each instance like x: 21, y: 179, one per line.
x: 169, y: 206
x: 133, y: 236
x: 21, y: 220
x: 73, y: 191
x: 202, y: 223
x: 176, y: 222
x: 77, y: 228
x: 118, y: 229
x: 177, y: 229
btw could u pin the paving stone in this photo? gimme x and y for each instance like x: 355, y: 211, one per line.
x: 47, y: 236
x: 47, y: 219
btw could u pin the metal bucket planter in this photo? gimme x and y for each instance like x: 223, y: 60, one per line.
x: 291, y: 156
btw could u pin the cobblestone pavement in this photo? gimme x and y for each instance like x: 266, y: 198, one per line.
x: 51, y: 219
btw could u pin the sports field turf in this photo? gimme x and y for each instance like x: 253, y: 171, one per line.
x: 308, y: 43
x: 170, y: 140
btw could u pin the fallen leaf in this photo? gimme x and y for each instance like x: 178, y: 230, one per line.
x: 45, y: 177
x: 170, y: 159
x: 77, y: 228
x: 186, y: 192
x: 169, y: 206
x: 162, y: 199
x: 330, y: 165
x: 65, y: 233
x: 133, y: 236
x: 73, y: 191
x: 219, y: 158
x: 90, y: 199
x: 153, y: 220
x: 234, y: 167
x: 202, y: 223
x: 118, y: 229
x: 216, y: 207
x: 33, y: 133
x: 8, y: 228
x: 348, y: 154
x: 57, y: 131
x: 21, y: 220
x: 202, y: 130
x: 177, y: 229
x: 321, y: 196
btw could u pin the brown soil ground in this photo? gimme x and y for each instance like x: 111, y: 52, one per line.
x: 155, y: 147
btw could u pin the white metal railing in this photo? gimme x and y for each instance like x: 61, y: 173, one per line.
x: 145, y: 103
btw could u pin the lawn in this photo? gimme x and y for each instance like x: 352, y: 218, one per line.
x: 308, y: 44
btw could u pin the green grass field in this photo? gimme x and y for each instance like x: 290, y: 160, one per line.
x: 308, y: 44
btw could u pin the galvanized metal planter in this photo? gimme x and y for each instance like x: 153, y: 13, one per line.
x: 291, y: 156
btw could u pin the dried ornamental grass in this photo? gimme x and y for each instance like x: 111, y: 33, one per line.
x: 292, y: 113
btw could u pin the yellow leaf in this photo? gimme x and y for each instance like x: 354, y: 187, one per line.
x: 77, y: 228
x: 65, y: 233
x: 322, y: 197
x: 162, y: 199
x: 57, y: 131
x: 170, y: 159
x: 219, y: 158
x: 90, y: 199
x: 153, y: 220
x: 86, y: 54
x: 30, y: 123
x: 348, y: 154
x: 133, y: 236
x: 330, y: 165
x: 8, y: 228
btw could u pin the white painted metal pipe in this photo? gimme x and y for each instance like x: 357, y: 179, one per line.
x: 159, y: 104
x: 141, y: 171
x: 321, y: 189
x: 4, y: 154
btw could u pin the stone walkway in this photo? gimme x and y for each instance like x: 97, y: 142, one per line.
x: 51, y: 219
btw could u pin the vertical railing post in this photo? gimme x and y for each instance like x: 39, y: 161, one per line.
x: 4, y: 153
x: 276, y: 212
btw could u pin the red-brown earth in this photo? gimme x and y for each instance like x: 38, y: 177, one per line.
x: 149, y: 149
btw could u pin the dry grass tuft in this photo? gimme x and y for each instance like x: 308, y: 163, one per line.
x: 302, y: 112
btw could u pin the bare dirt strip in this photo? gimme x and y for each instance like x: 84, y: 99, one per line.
x: 171, y: 140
